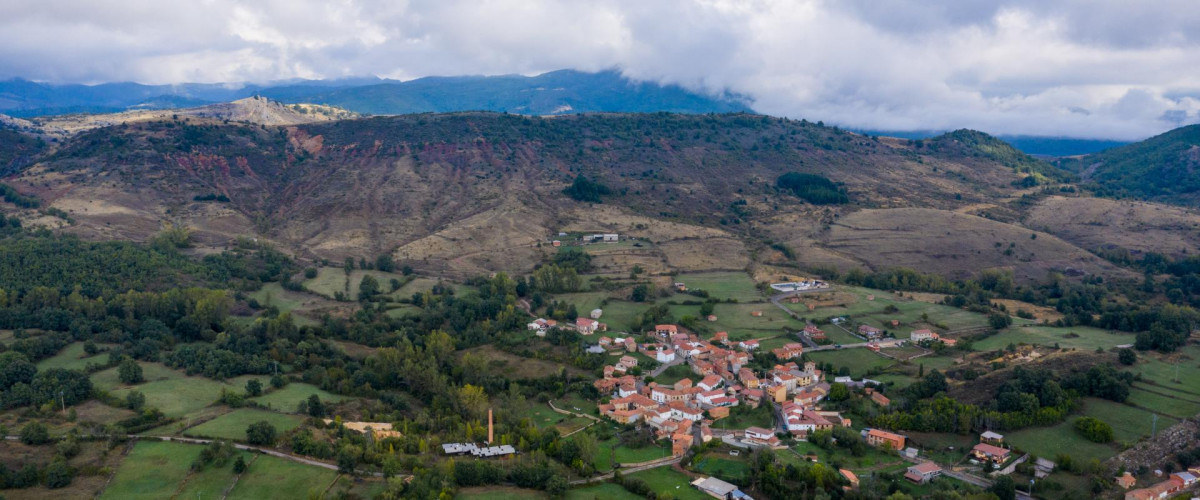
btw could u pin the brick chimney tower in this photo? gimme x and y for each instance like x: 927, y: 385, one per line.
x: 490, y: 436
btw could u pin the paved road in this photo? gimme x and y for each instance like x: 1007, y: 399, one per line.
x: 663, y: 367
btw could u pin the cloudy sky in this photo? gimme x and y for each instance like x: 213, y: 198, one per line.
x: 1080, y: 68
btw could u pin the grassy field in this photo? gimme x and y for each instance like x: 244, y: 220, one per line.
x: 668, y: 480
x: 72, y: 357
x: 1062, y: 438
x: 212, y: 482
x: 1129, y: 423
x: 874, y: 457
x: 170, y: 463
x: 1161, y: 370
x: 584, y: 302
x: 619, y: 314
x: 331, y: 280
x: 233, y: 425
x: 603, y: 491
x: 1079, y: 337
x: 273, y: 294
x: 270, y: 477
x: 610, y: 452
x: 171, y: 391
x: 287, y: 398
x: 858, y: 360
x: 722, y: 466
x: 853, y: 302
x: 737, y: 320
x: 1161, y: 400
x: 542, y: 416
x: 723, y: 285
x: 675, y: 374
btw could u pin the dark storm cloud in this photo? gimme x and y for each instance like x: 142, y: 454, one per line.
x: 1068, y: 67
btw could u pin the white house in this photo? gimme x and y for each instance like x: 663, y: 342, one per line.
x: 710, y: 382
x: 922, y: 335
x: 748, y: 345
x: 665, y: 355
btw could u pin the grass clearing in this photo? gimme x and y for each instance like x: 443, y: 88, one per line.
x: 212, y: 481
x: 668, y: 480
x: 515, y: 366
x: 857, y: 360
x: 286, y: 399
x: 171, y: 391
x: 1129, y: 423
x: 271, y: 477
x: 722, y: 466
x: 1079, y: 337
x: 1161, y: 369
x: 170, y: 463
x: 856, y: 303
x: 1178, y: 406
x: 233, y: 425
x: 331, y: 280
x: 1062, y: 438
x: 723, y: 285
x: 73, y: 357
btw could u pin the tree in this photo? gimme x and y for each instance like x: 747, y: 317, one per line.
x: 130, y: 372
x: 385, y: 263
x: 315, y: 408
x: 640, y: 293
x: 253, y: 387
x: 261, y: 433
x: 838, y: 392
x: 368, y: 287
x: 135, y: 400
x: 239, y: 465
x: 1126, y: 356
x: 35, y: 433
x: 1004, y: 488
x: 15, y: 368
x: 584, y: 189
x: 999, y: 320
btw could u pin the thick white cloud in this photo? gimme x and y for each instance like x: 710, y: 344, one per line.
x: 1080, y: 68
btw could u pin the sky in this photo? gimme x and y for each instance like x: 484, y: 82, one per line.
x: 1073, y: 68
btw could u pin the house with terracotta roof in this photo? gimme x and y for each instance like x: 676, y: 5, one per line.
x: 1174, y: 484
x: 710, y: 382
x: 586, y: 326
x: 1126, y: 480
x: 665, y: 331
x: 628, y: 362
x: 789, y: 351
x: 923, y: 335
x: 880, y: 399
x: 721, y: 338
x: 995, y: 454
x: 664, y: 355
x: 850, y: 476
x: 759, y: 435
x: 869, y: 331
x: 882, y: 438
x: 923, y: 472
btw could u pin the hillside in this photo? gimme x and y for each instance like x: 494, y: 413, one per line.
x: 464, y: 193
x: 1160, y: 168
x: 554, y: 93
x: 557, y: 92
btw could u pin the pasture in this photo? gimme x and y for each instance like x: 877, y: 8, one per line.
x: 171, y: 391
x: 73, y: 357
x: 723, y: 285
x: 855, y: 303
x: 668, y: 480
x: 1078, y: 337
x: 501, y: 493
x: 857, y: 360
x: 1062, y: 438
x: 170, y: 462
x: 233, y: 425
x: 331, y: 280
x: 271, y: 477
x: 721, y: 465
x: 286, y: 399
x: 1129, y: 423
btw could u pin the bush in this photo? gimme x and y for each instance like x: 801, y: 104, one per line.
x: 253, y: 387
x: 58, y: 474
x: 1127, y: 356
x: 261, y: 433
x: 35, y: 433
x: 1094, y: 430
x: 584, y: 189
x: 815, y: 189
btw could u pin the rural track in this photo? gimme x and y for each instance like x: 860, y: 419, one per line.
x: 630, y: 470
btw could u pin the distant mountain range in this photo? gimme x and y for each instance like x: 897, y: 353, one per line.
x: 1032, y: 145
x: 558, y: 92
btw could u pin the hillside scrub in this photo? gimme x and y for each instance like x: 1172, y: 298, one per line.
x: 815, y: 189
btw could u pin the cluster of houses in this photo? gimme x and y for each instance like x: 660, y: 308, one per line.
x: 585, y: 326
x: 918, y: 336
x: 686, y: 409
x: 1175, y: 483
